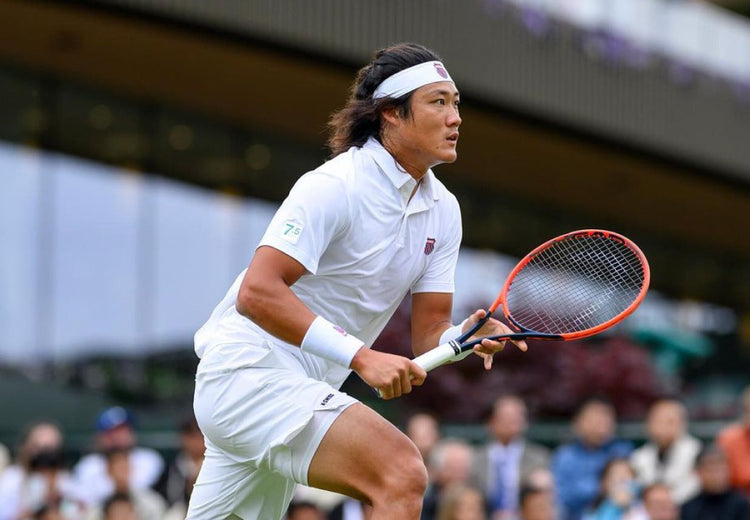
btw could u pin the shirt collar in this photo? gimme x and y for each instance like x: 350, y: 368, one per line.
x: 514, y: 447
x: 396, y: 173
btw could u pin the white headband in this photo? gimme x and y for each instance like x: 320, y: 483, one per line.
x: 412, y: 78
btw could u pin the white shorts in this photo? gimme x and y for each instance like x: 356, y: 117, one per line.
x: 263, y: 425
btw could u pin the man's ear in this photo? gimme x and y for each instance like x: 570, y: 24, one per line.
x: 391, y: 115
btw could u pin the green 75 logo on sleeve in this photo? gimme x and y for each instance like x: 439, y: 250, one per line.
x: 291, y: 231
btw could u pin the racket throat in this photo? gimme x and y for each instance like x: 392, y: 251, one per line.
x: 456, y: 346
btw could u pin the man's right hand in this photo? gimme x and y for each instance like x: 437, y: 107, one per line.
x: 391, y: 375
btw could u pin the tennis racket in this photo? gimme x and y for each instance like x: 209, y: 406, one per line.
x: 570, y: 287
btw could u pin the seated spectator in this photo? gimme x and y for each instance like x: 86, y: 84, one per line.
x: 148, y: 504
x: 716, y: 499
x: 424, y: 432
x: 735, y: 440
x: 450, y: 464
x: 538, y: 480
x: 537, y: 503
x: 669, y: 455
x: 658, y: 502
x: 618, y: 494
x: 508, y: 458
x: 176, y: 483
x: 4, y: 458
x: 461, y: 502
x: 119, y: 507
x: 114, y: 431
x: 304, y: 511
x: 350, y: 509
x: 39, y: 479
x: 49, y: 511
x: 578, y: 465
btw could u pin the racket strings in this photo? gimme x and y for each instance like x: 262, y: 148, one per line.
x: 576, y: 284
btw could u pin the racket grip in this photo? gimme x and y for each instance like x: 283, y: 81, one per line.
x: 440, y: 355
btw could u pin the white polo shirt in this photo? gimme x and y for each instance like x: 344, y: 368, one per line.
x: 364, y: 245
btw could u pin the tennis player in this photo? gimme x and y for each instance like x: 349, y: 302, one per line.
x: 353, y: 237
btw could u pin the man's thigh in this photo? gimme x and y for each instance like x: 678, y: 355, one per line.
x: 226, y: 489
x: 359, y: 452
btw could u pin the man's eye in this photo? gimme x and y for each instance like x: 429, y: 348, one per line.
x: 440, y: 101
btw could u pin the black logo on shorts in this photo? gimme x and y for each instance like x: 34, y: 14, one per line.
x: 325, y: 401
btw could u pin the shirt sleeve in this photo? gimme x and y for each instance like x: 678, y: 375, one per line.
x: 314, y: 213
x: 440, y: 273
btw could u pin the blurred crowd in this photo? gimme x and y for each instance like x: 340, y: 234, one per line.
x: 596, y: 476
x: 118, y: 480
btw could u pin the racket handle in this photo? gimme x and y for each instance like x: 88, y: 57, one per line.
x: 440, y: 355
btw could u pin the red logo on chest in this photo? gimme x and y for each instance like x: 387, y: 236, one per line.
x: 429, y: 246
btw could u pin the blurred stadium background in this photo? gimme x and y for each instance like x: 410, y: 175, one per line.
x: 144, y: 145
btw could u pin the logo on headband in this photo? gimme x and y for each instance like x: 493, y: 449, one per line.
x: 440, y: 70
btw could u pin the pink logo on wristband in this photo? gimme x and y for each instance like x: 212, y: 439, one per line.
x: 340, y: 330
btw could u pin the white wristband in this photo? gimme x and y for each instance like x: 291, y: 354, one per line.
x: 452, y: 333
x: 331, y: 342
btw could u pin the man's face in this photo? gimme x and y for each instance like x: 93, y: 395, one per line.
x: 119, y: 437
x: 423, y: 432
x: 307, y: 513
x: 121, y: 511
x: 430, y: 134
x: 595, y: 424
x: 713, y: 472
x: 539, y: 506
x: 508, y: 420
x: 659, y: 504
x: 665, y: 423
x: 43, y: 437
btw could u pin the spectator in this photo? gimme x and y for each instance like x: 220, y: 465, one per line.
x: 461, y: 502
x: 424, y: 432
x: 669, y: 455
x: 39, y: 477
x: 148, y: 504
x: 450, y: 465
x: 119, y: 507
x: 508, y: 457
x: 304, y: 511
x: 716, y: 499
x: 577, y: 466
x: 114, y: 431
x: 618, y: 494
x: 658, y: 502
x: 537, y: 503
x: 50, y: 511
x: 350, y: 509
x: 176, y: 483
x: 539, y: 478
x: 4, y: 458
x: 735, y: 440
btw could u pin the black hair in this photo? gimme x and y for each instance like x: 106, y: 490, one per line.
x: 361, y: 117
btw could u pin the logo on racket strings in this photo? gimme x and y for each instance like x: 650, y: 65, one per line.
x: 429, y: 246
